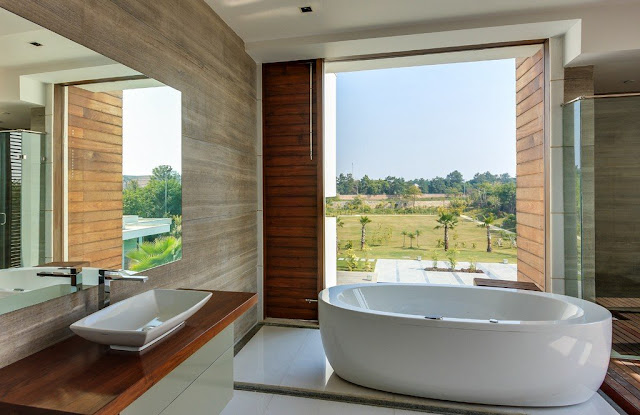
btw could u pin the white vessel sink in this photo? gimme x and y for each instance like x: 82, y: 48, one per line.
x: 140, y: 321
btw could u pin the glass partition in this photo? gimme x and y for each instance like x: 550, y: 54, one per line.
x: 24, y: 157
x: 601, y: 174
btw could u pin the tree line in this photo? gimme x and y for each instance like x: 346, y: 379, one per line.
x: 483, y: 195
x: 453, y: 183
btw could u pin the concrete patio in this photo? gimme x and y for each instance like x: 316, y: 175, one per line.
x: 413, y: 271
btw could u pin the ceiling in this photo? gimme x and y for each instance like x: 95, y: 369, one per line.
x: 16, y: 34
x: 276, y: 30
x: 261, y: 20
x: 25, y: 66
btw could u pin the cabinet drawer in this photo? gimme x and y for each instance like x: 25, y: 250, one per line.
x: 209, y: 393
x: 168, y: 389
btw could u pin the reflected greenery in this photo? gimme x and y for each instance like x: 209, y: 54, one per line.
x: 160, y: 197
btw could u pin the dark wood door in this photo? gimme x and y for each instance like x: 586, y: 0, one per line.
x: 293, y: 188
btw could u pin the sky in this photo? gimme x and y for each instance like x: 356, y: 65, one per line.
x: 426, y: 121
x: 151, y: 130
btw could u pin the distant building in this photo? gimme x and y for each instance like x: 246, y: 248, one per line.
x: 142, y: 180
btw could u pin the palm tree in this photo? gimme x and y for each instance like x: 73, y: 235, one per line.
x: 339, y: 224
x: 364, y: 221
x: 417, y: 235
x: 155, y: 253
x: 411, y: 236
x: 404, y: 238
x: 486, y: 223
x: 447, y: 220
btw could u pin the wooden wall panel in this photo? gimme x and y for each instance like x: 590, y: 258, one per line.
x: 293, y: 192
x: 530, y: 193
x: 185, y: 45
x: 95, y: 206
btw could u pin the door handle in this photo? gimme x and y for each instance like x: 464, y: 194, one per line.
x: 4, y: 218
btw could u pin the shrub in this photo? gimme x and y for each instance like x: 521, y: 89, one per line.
x: 434, y: 258
x: 452, y: 257
x: 473, y: 265
x: 351, y: 259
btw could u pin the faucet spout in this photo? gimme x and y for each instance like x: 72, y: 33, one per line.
x: 72, y: 275
x: 105, y: 276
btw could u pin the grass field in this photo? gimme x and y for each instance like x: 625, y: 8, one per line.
x: 465, y: 235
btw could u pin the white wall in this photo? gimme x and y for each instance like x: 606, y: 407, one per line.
x: 330, y: 113
x: 330, y: 275
x: 555, y: 222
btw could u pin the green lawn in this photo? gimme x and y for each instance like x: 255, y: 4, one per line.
x: 465, y: 234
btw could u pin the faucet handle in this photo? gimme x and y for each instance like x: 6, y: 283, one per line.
x: 123, y: 275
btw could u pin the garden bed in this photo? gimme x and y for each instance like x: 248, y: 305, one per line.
x: 466, y: 270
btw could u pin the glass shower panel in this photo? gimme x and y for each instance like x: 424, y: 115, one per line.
x: 571, y: 199
x: 24, y: 157
x: 578, y: 199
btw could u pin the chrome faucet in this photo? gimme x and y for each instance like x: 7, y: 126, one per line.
x: 72, y: 274
x: 105, y: 276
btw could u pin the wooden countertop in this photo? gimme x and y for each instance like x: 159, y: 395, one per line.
x: 76, y: 376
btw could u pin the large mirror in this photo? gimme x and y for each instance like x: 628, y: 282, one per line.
x: 90, y: 166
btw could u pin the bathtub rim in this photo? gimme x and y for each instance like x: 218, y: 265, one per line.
x: 593, y: 314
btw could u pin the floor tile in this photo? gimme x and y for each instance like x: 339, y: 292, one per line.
x: 294, y: 358
x: 288, y: 405
x: 247, y: 403
x: 268, y: 355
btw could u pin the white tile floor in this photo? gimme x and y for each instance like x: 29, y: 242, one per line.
x: 252, y: 403
x: 294, y: 358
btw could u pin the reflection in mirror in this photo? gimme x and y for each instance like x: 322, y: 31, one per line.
x: 125, y: 192
x: 90, y: 166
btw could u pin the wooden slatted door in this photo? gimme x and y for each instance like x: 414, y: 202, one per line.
x: 293, y: 189
x: 95, y: 177
x: 530, y: 160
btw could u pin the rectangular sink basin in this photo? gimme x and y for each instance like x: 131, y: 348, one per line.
x: 142, y: 320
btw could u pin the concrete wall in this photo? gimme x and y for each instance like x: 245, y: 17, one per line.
x: 187, y: 46
x: 617, y: 197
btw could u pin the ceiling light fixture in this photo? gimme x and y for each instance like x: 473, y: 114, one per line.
x: 306, y: 9
x: 36, y: 44
x: 629, y: 81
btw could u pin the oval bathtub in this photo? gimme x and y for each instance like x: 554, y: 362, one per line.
x: 467, y: 344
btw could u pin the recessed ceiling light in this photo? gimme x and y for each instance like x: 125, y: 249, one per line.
x: 629, y: 81
x: 36, y: 44
x: 306, y: 9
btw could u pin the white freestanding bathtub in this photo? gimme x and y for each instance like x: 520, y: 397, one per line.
x: 467, y: 344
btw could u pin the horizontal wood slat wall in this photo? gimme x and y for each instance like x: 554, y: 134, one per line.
x: 530, y: 176
x: 95, y: 177
x: 293, y: 192
x: 186, y: 45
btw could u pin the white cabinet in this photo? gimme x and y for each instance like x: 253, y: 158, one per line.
x: 202, y: 384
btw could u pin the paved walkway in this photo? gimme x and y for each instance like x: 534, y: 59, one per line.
x: 413, y: 271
